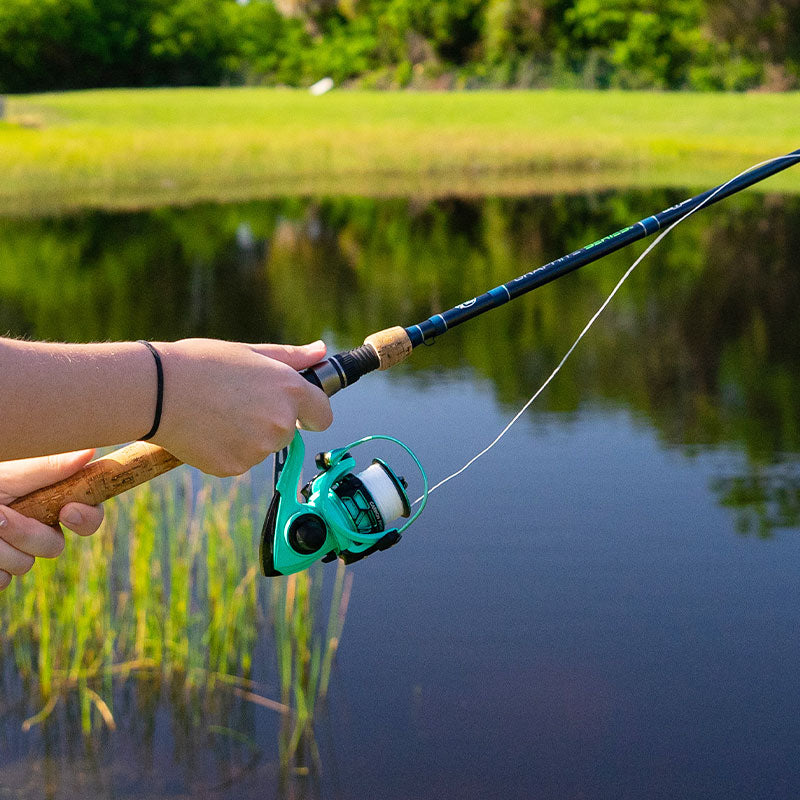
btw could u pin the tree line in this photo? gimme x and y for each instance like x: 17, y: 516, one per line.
x: 442, y: 44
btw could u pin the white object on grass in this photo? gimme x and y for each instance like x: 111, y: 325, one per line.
x: 321, y: 87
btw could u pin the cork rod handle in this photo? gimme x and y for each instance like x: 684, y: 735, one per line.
x: 391, y: 345
x: 98, y: 481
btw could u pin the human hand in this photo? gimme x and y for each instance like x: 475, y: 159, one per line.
x: 227, y: 405
x: 23, y: 539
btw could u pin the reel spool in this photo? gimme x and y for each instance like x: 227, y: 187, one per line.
x: 341, y: 514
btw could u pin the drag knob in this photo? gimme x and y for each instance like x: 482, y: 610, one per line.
x: 307, y: 534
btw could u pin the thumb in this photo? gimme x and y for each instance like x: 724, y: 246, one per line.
x: 26, y: 474
x: 297, y: 357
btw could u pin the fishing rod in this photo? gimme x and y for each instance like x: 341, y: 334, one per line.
x: 389, y: 347
x: 343, y: 514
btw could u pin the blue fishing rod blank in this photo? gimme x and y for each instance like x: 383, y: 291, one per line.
x: 386, y: 348
x: 440, y: 323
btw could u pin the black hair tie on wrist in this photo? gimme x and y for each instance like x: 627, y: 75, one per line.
x: 160, y: 390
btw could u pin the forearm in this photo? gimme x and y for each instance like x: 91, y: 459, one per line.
x: 227, y: 405
x: 59, y: 397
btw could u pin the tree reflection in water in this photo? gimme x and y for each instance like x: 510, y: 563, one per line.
x: 196, y: 659
x: 702, y: 342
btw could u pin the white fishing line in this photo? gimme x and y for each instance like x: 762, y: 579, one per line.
x: 592, y: 321
x: 383, y: 490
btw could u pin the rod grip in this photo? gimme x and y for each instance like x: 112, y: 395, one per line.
x: 391, y: 345
x: 380, y: 350
x: 98, y: 481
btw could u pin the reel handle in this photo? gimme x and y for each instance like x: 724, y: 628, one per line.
x: 99, y: 480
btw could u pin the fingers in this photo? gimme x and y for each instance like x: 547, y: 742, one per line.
x: 14, y: 561
x: 23, y: 539
x: 24, y: 475
x: 81, y: 519
x: 313, y: 408
x: 297, y: 357
x: 28, y: 536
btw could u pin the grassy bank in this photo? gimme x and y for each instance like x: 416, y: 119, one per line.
x: 138, y: 148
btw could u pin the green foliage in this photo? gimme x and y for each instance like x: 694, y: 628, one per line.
x: 732, y: 74
x: 634, y: 44
x: 61, y: 44
x: 191, y: 41
x: 269, y: 45
x: 762, y: 33
x: 347, y: 50
x: 700, y: 44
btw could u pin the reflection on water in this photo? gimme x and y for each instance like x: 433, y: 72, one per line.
x: 703, y: 342
x: 677, y: 420
x: 766, y: 498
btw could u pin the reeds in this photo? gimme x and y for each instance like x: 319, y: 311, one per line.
x: 305, y: 658
x: 169, y: 589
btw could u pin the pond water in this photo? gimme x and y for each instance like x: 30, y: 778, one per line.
x: 605, y: 606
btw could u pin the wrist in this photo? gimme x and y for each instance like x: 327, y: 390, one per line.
x: 85, y: 395
x: 159, y: 389
x: 173, y: 361
x: 127, y: 374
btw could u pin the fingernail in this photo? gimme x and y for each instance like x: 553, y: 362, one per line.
x: 315, y: 344
x: 3, y: 520
x: 73, y: 517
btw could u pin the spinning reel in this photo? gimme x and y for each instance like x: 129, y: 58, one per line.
x: 341, y: 514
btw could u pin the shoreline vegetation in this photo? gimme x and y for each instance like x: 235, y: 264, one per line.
x: 702, y: 45
x: 167, y: 596
x: 144, y: 148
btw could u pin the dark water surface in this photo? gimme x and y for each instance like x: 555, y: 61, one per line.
x: 606, y: 606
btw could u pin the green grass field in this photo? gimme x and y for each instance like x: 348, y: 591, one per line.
x: 137, y: 148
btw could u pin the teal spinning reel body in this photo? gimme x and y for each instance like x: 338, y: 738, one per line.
x: 340, y: 514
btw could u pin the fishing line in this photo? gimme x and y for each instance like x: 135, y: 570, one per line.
x: 592, y: 321
x: 343, y: 513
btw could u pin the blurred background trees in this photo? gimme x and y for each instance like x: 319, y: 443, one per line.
x: 666, y: 44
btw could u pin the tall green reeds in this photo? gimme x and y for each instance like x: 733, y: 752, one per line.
x: 169, y: 590
x: 167, y: 587
x: 305, y: 658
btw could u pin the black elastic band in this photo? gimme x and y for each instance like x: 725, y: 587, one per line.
x: 159, y: 390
